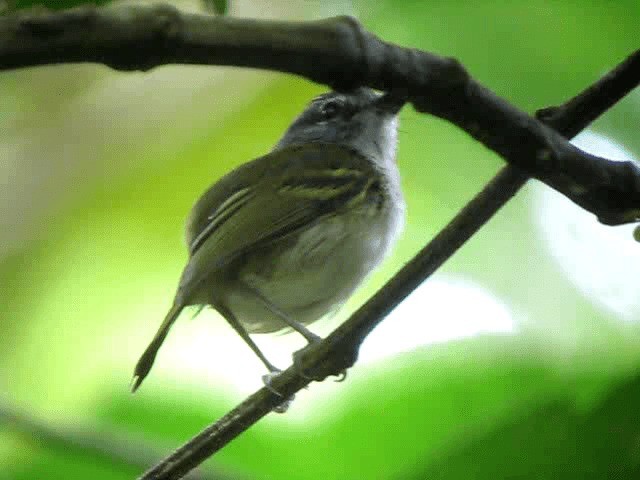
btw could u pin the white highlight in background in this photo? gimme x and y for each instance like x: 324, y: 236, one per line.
x: 438, y: 311
x: 207, y: 352
x: 601, y: 261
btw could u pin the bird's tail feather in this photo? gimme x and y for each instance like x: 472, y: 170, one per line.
x: 146, y: 360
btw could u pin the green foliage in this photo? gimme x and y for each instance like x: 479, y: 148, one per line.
x: 219, y: 7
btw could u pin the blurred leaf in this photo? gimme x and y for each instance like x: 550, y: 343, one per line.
x: 612, y: 430
x: 554, y: 440
x: 219, y: 7
x: 540, y: 444
x: 83, y: 451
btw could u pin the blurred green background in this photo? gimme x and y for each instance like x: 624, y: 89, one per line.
x: 519, y: 359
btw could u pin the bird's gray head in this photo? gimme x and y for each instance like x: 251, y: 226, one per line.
x: 360, y: 119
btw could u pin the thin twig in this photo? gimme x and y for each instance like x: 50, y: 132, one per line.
x: 337, y: 52
x: 339, y: 350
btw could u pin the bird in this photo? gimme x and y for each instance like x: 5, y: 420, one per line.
x: 284, y: 240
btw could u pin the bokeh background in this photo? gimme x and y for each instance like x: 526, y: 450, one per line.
x: 519, y: 359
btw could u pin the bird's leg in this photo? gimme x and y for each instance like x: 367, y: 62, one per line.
x: 311, y: 337
x: 297, y: 326
x: 233, y: 321
x: 273, y: 370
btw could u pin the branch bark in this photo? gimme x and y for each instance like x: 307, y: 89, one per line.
x: 337, y: 52
x: 339, y: 350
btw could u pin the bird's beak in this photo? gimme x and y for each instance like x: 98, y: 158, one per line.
x: 390, y: 103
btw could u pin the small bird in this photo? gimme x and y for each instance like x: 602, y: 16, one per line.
x: 285, y: 239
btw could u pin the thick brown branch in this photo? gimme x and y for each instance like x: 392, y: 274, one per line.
x: 337, y: 52
x: 340, y: 349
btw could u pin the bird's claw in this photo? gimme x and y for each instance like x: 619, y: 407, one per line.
x: 284, y: 405
x: 342, y: 376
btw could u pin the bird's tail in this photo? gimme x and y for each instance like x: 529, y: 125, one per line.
x: 146, y: 360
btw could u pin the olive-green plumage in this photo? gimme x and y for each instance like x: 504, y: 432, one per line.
x: 283, y: 240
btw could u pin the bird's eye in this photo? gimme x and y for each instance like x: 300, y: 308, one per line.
x: 331, y: 108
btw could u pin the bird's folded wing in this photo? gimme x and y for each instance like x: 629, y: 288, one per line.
x: 315, y: 182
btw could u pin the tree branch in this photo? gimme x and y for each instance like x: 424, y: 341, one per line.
x: 337, y: 52
x: 339, y: 350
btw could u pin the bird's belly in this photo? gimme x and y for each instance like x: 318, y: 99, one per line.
x: 311, y: 274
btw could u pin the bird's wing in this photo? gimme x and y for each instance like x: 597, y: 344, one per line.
x: 274, y: 196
